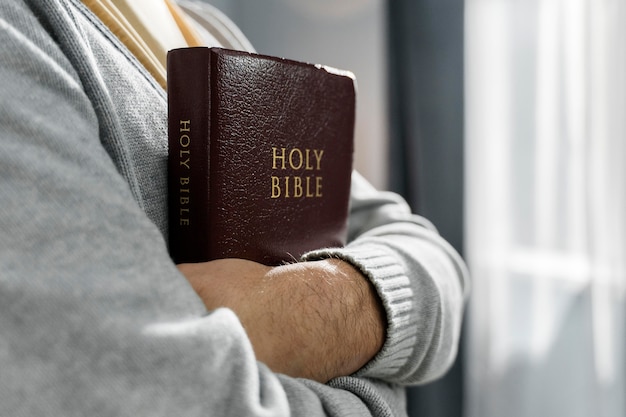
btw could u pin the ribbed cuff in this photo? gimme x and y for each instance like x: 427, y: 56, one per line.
x: 388, y: 276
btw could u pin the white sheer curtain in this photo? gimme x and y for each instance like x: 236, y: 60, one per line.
x: 546, y: 207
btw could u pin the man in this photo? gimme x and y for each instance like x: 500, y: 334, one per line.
x: 96, y: 320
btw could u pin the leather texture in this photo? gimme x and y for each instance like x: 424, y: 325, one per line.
x: 274, y: 139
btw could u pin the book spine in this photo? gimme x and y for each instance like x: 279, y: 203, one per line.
x: 189, y: 107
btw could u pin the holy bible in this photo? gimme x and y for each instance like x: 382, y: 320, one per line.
x: 260, y: 156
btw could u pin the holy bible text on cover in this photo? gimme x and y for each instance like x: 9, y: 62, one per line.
x: 260, y: 156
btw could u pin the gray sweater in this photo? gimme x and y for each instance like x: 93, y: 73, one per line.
x: 95, y: 320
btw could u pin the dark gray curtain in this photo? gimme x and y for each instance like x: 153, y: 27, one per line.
x: 426, y: 154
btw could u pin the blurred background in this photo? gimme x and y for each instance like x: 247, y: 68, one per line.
x: 502, y: 121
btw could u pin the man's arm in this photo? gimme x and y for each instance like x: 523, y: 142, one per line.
x: 396, y: 284
x: 317, y: 320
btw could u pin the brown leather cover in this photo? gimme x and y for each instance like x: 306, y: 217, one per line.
x: 267, y: 151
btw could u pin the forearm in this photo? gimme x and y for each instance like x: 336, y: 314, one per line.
x: 317, y: 320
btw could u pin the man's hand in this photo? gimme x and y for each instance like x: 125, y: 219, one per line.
x: 315, y: 320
